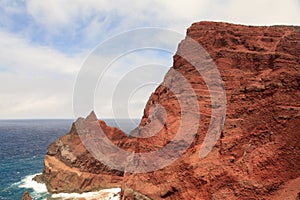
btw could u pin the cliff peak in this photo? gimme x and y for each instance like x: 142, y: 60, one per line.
x: 92, y: 116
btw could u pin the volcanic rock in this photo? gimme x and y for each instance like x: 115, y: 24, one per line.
x: 69, y: 167
x: 26, y: 196
x: 257, y: 151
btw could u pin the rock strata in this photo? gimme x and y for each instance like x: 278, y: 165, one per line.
x: 257, y: 155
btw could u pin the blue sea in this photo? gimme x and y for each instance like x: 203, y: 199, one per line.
x: 22, y: 148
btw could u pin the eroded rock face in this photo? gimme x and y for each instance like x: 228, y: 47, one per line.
x: 257, y: 155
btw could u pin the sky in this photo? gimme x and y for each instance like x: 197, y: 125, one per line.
x: 44, y: 45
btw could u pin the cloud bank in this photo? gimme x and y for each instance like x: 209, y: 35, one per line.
x: 44, y: 43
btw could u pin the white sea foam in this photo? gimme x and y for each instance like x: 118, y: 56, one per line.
x: 39, y: 189
x: 27, y: 182
x: 106, y: 194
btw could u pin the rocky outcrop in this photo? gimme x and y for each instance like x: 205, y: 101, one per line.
x: 257, y: 155
x: 26, y: 196
x: 69, y: 167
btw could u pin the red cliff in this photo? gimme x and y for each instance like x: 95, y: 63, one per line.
x: 257, y: 153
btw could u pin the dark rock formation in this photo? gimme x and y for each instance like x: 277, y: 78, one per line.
x: 257, y: 155
x: 26, y: 196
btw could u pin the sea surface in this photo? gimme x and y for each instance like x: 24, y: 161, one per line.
x: 23, y: 145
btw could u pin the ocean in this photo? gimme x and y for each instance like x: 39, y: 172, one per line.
x: 22, y: 148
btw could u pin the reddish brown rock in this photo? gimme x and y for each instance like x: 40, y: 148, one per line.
x: 26, y: 196
x: 69, y: 167
x: 257, y: 155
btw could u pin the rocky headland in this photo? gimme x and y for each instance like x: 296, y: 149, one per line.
x: 257, y: 154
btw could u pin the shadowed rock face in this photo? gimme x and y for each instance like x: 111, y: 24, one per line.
x: 257, y: 155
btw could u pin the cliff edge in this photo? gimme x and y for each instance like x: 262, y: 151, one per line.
x: 257, y: 155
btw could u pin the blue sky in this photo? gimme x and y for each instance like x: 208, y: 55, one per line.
x: 44, y: 43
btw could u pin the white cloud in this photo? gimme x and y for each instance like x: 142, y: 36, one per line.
x: 37, y: 79
x: 170, y: 13
x: 11, y: 6
x: 35, y: 106
x: 22, y: 97
x: 130, y: 79
x: 257, y: 12
x: 21, y: 56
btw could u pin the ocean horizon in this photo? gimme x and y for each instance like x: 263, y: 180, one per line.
x: 22, y: 149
